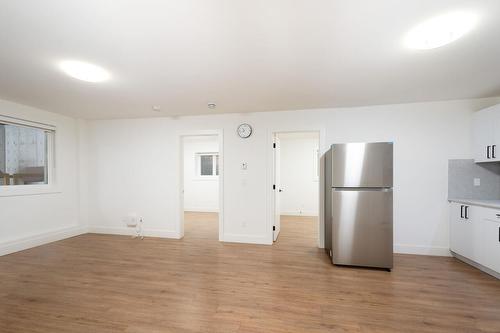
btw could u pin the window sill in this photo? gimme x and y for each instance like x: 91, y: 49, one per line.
x: 206, y: 178
x: 25, y: 190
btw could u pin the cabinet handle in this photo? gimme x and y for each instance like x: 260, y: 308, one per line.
x: 493, y: 148
x: 462, y: 211
x: 466, y: 212
x: 499, y: 234
x: 488, y: 152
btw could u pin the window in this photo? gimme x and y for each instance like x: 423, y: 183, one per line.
x: 207, y: 164
x: 25, y: 154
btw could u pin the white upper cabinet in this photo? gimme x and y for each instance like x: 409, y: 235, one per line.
x: 486, y: 135
x: 496, y: 134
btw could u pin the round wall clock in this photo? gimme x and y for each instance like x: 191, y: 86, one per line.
x: 244, y: 131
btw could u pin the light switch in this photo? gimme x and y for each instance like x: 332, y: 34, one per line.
x: 477, y: 181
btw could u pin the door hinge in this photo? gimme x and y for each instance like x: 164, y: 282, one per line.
x: 274, y: 145
x: 274, y: 187
x: 274, y: 228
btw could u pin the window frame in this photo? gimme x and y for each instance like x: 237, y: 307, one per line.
x: 215, y: 162
x: 35, y: 189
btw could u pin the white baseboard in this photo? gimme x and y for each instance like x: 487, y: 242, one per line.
x: 131, y: 231
x: 248, y: 239
x: 303, y: 213
x: 63, y: 233
x: 422, y: 250
x: 201, y: 210
x: 40, y: 239
x: 477, y: 265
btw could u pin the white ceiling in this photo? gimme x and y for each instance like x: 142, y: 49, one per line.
x: 246, y: 56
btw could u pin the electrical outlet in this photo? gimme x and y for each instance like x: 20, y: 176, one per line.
x: 477, y: 181
x: 130, y: 220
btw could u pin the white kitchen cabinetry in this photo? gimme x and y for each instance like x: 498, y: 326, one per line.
x: 487, y: 233
x: 486, y: 135
x: 460, y: 230
x: 475, y: 235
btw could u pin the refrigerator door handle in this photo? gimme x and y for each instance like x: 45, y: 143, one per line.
x: 375, y: 189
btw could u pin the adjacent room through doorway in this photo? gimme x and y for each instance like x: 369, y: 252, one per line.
x: 201, y: 168
x: 296, y: 177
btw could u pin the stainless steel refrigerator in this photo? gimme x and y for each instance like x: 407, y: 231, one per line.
x: 359, y: 204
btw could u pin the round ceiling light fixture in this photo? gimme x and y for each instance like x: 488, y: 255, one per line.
x: 84, y: 71
x: 440, y: 30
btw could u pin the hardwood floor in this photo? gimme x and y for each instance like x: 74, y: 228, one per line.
x: 102, y: 283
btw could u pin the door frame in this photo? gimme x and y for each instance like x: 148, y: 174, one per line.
x: 180, y: 184
x: 270, y: 180
x: 276, y: 185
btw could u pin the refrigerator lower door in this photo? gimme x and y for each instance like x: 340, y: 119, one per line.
x: 362, y: 227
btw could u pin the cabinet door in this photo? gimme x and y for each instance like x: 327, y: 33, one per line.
x: 483, y: 127
x: 496, y: 135
x: 460, y: 230
x: 487, y: 243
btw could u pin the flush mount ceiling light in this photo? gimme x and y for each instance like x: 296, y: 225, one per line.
x: 440, y: 30
x: 84, y: 71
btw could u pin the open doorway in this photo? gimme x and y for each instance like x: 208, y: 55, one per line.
x: 296, y: 188
x: 201, y: 177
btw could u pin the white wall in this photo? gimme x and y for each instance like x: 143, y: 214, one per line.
x: 200, y: 194
x: 107, y: 169
x: 299, y: 175
x: 134, y: 166
x: 30, y: 220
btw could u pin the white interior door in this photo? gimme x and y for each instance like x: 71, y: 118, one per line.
x: 277, y: 187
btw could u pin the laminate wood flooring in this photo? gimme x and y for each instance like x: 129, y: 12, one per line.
x: 104, y: 283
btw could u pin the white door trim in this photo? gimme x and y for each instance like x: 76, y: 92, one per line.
x: 180, y: 183
x: 270, y: 207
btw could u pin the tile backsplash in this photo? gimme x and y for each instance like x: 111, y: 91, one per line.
x: 461, y: 174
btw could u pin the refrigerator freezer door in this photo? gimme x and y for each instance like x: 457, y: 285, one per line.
x: 362, y: 227
x: 362, y: 164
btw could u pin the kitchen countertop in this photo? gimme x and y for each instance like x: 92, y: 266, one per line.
x: 477, y: 202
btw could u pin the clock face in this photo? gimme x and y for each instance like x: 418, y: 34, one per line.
x: 244, y: 131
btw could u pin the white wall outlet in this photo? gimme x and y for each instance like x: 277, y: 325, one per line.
x: 477, y: 181
x: 130, y: 220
